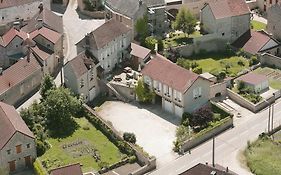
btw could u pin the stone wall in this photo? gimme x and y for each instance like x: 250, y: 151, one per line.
x: 218, y: 88
x: 270, y: 60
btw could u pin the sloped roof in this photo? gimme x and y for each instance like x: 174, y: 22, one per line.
x: 41, y: 52
x: 11, y: 3
x: 229, y: 8
x: 48, y: 34
x: 10, y: 35
x: 73, y: 169
x: 154, y: 3
x: 105, y: 34
x: 253, y: 41
x: 49, y: 20
x: 253, y: 78
x: 82, y: 63
x: 161, y: 69
x: 201, y: 169
x: 139, y: 51
x: 10, y: 123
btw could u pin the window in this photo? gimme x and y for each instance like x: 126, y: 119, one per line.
x: 92, y: 74
x: 18, y: 149
x: 81, y: 83
x: 197, y: 92
x: 28, y: 145
x: 2, y: 17
x: 222, y: 34
x: 9, y: 152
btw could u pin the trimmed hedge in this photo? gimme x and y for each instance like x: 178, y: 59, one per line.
x: 39, y: 170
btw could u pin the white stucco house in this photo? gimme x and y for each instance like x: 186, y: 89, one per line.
x: 227, y: 19
x: 256, y: 82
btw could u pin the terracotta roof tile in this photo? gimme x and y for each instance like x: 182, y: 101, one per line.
x: 10, y: 123
x: 11, y: 3
x: 10, y: 35
x: 73, y: 169
x: 229, y: 8
x: 139, y: 51
x: 201, y: 169
x: 46, y: 33
x: 253, y: 78
x: 161, y: 69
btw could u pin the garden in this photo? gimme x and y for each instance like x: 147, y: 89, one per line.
x: 263, y: 156
x: 175, y: 39
x: 247, y: 93
x: 199, y: 123
x: 256, y: 25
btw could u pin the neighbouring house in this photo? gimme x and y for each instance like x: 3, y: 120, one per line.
x: 74, y: 169
x: 91, y: 5
x: 109, y: 43
x: 17, y: 145
x: 257, y: 42
x: 274, y: 22
x: 80, y: 75
x: 15, y: 10
x: 129, y: 11
x: 139, y: 56
x: 256, y: 82
x: 202, y: 169
x: 264, y: 5
x: 177, y: 89
x: 195, y: 6
x: 227, y: 19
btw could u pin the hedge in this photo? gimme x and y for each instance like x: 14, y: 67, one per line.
x: 38, y: 168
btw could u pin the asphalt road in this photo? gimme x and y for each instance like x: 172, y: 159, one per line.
x: 229, y: 145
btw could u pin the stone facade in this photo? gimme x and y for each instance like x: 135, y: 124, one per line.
x: 274, y: 22
x: 264, y: 5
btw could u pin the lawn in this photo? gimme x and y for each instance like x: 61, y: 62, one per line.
x: 177, y: 39
x: 215, y: 62
x: 264, y: 157
x: 256, y: 25
x: 81, y: 147
x: 273, y: 74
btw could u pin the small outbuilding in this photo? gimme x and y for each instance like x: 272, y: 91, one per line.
x: 257, y: 82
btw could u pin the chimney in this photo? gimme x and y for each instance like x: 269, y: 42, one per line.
x: 226, y: 169
x: 28, y: 54
x: 140, y: 2
x: 40, y: 7
x: 39, y: 23
x: 1, y: 71
x: 16, y: 25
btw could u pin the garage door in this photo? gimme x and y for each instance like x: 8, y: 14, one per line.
x: 92, y: 93
x: 178, y: 111
x: 168, y: 106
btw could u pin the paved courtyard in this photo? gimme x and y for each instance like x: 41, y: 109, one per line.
x: 154, y: 128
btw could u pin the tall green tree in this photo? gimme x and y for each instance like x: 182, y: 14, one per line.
x: 143, y: 92
x: 185, y: 21
x: 142, y: 29
x: 46, y: 85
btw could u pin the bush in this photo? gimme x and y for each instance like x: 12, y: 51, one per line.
x: 41, y: 147
x: 185, y: 118
x: 129, y: 137
x: 132, y: 159
x: 150, y: 43
x: 197, y: 70
x: 241, y: 63
x: 38, y: 168
x: 183, y: 63
x: 194, y: 65
x: 143, y: 92
x: 253, y: 61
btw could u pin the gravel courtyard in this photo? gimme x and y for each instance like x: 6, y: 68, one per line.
x: 153, y: 127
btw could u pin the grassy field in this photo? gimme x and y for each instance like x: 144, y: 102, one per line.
x: 273, y: 82
x: 215, y: 62
x: 80, y: 147
x: 179, y: 39
x: 264, y: 157
x: 256, y: 25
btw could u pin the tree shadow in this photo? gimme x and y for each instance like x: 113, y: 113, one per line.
x: 58, y: 8
x: 63, y: 131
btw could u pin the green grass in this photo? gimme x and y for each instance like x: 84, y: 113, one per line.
x: 93, y: 138
x: 180, y: 39
x: 215, y: 62
x: 256, y: 25
x: 273, y: 83
x: 264, y: 157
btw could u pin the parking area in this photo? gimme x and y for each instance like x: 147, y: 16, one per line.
x: 154, y: 128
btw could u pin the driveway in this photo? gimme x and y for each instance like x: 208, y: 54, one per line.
x: 154, y: 128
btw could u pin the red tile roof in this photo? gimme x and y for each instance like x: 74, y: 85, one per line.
x: 42, y: 53
x: 201, y: 169
x: 18, y: 73
x: 10, y: 123
x: 49, y: 34
x: 11, y: 3
x: 229, y: 8
x: 253, y: 41
x: 253, y: 78
x: 163, y: 70
x: 10, y: 35
x: 73, y: 169
x: 139, y: 51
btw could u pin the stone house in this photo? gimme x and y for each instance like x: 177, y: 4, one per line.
x: 9, y: 9
x: 264, y: 5
x: 129, y: 11
x: 274, y: 22
x: 17, y: 146
x: 256, y: 82
x: 80, y: 75
x: 108, y: 43
x: 227, y: 19
x: 256, y: 43
x: 177, y: 89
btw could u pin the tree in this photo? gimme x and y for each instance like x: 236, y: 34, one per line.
x: 46, y: 85
x: 197, y: 70
x: 141, y: 27
x: 185, y: 21
x: 129, y: 137
x: 202, y: 117
x: 60, y: 107
x: 183, y: 63
x: 143, y: 92
x: 150, y: 42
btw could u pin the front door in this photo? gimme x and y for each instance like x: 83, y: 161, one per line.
x: 12, y: 166
x: 27, y: 161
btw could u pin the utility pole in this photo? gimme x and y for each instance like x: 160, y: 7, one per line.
x: 269, y: 116
x: 272, y: 114
x: 213, y: 158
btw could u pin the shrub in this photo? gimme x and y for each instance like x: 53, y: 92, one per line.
x: 143, y: 92
x: 150, y: 43
x: 185, y: 118
x: 241, y: 63
x: 221, y: 75
x: 194, y: 65
x: 129, y: 137
x: 103, y: 164
x: 183, y: 63
x: 38, y: 168
x: 132, y: 159
x: 253, y: 61
x: 197, y: 70
x: 41, y: 147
